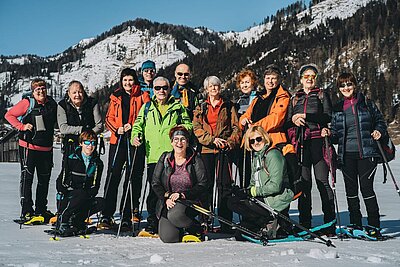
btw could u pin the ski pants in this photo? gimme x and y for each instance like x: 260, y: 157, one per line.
x: 77, y: 205
x: 313, y: 157
x: 360, y: 172
x: 218, y: 168
x: 42, y: 161
x: 152, y: 199
x: 242, y: 160
x: 114, y: 176
x: 174, y: 222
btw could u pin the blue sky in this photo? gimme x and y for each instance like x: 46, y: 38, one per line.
x: 48, y: 27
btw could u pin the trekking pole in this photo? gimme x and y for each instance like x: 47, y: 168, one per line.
x: 276, y: 213
x: 209, y: 213
x: 108, y: 179
x: 24, y: 171
x: 327, y: 150
x: 385, y: 161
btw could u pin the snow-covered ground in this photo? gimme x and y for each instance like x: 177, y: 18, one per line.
x: 30, y: 246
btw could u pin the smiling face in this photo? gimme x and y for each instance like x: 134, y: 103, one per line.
x: 161, y: 90
x: 256, y: 141
x: 347, y: 89
x: 182, y: 74
x: 308, y: 79
x: 213, y: 90
x: 246, y: 85
x: 179, y: 144
x: 271, y: 81
x: 76, y: 94
x: 148, y: 75
x: 40, y: 94
x: 127, y: 83
x: 88, y: 146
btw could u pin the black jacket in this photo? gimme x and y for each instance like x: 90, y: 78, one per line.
x: 75, y: 175
x: 164, y: 169
x: 368, y: 117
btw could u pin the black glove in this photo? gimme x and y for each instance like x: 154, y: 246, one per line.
x: 241, y: 193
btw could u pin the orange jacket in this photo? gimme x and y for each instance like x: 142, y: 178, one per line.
x: 274, y: 121
x: 114, y: 113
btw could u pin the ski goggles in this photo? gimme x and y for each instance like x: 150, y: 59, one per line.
x: 89, y: 142
x: 253, y: 140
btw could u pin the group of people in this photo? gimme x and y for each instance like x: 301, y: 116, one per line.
x: 189, y: 146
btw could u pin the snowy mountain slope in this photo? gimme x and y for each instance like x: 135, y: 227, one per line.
x: 330, y: 9
x: 247, y: 37
x: 30, y: 246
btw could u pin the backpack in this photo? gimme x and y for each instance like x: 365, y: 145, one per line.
x: 146, y: 112
x: 293, y: 170
x: 30, y: 108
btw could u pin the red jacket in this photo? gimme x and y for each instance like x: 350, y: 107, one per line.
x: 114, y: 113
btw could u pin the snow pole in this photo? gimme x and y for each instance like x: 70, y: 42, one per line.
x: 385, y: 161
x: 276, y: 213
x: 327, y: 150
x: 129, y: 188
x: 209, y: 213
x: 24, y: 161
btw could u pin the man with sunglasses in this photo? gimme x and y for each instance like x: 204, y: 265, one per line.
x: 78, y: 185
x: 184, y: 90
x: 152, y: 126
x: 148, y: 73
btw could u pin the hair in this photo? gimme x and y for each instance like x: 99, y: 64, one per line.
x: 273, y: 69
x: 256, y: 129
x: 161, y: 78
x: 310, y: 66
x: 244, y: 73
x: 38, y: 82
x: 346, y: 77
x: 87, y: 135
x: 128, y: 72
x: 214, y: 80
x: 179, y: 128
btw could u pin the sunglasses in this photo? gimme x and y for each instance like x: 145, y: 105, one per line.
x: 39, y: 89
x: 348, y: 84
x: 186, y: 74
x: 158, y: 88
x: 253, y: 140
x: 88, y: 143
x: 310, y: 76
x: 149, y: 70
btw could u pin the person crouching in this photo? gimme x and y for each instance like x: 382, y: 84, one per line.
x: 78, y: 185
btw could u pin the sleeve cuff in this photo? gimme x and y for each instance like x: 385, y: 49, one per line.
x: 253, y: 191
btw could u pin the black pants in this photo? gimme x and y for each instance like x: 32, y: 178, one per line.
x: 361, y: 172
x: 42, y: 161
x: 218, y: 168
x: 175, y: 221
x: 151, y: 201
x: 77, y: 205
x: 114, y: 176
x: 313, y: 157
x: 242, y: 159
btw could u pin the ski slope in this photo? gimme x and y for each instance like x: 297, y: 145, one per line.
x: 30, y: 246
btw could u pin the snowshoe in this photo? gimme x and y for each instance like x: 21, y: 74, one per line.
x: 191, y: 238
x: 145, y: 233
x: 106, y: 223
x: 369, y: 233
x: 136, y: 216
x: 126, y: 226
x: 34, y: 220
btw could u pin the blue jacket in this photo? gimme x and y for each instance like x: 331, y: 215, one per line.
x: 369, y: 118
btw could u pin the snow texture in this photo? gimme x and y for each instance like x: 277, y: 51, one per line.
x: 30, y: 246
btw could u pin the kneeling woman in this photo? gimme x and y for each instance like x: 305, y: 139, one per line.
x: 179, y: 174
x: 269, y: 183
x: 78, y: 185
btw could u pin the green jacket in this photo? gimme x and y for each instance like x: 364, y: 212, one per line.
x: 154, y: 129
x: 269, y: 178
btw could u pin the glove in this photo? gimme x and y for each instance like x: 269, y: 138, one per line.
x: 241, y: 193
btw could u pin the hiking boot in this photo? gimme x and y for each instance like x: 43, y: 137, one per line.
x: 126, y: 224
x: 136, y: 215
x: 106, y: 222
x: 47, y: 215
x: 67, y: 230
